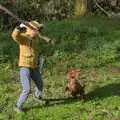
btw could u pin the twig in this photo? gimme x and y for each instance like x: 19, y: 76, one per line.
x: 102, y: 9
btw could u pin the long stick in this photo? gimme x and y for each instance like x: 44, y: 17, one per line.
x: 16, y: 17
x: 10, y: 13
x: 22, y: 21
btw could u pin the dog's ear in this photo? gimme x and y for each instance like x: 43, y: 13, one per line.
x: 66, y: 89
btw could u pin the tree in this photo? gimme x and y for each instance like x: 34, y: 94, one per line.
x: 110, y: 8
x: 80, y: 7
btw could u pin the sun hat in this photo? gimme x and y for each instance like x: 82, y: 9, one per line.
x: 36, y: 25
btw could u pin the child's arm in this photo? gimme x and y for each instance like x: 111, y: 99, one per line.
x: 19, y: 35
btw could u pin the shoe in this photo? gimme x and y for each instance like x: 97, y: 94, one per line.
x: 18, y: 110
x: 41, y: 100
x: 37, y: 98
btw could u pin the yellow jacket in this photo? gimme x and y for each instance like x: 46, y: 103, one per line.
x: 28, y: 49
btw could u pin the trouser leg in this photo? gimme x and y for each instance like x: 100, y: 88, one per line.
x: 36, y: 76
x: 25, y: 81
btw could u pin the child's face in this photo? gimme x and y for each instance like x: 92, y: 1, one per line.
x: 32, y: 33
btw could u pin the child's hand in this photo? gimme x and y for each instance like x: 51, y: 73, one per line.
x: 21, y: 29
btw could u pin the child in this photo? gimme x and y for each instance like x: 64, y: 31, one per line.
x: 26, y: 37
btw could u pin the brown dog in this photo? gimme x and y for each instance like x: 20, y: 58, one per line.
x: 74, y: 86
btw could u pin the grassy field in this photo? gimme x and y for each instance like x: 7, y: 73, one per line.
x: 90, y: 43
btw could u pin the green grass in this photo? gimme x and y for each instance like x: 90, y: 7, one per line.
x: 91, y: 44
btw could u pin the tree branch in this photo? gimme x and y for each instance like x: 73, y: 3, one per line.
x: 102, y: 9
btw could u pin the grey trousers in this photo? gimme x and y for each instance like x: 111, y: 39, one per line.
x: 25, y: 76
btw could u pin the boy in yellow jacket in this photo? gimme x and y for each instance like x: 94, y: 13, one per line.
x: 28, y: 60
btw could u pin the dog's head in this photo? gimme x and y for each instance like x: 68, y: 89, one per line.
x: 73, y: 73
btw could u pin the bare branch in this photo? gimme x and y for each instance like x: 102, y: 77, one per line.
x: 102, y: 9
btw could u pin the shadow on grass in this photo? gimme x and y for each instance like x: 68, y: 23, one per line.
x: 105, y: 91
x: 98, y: 93
x: 52, y: 102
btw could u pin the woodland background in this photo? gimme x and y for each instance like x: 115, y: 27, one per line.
x: 87, y: 36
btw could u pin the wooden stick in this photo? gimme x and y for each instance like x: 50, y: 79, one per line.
x: 44, y: 38
x: 22, y: 21
x: 16, y: 17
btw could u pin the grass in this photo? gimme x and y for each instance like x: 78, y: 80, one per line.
x: 89, y: 43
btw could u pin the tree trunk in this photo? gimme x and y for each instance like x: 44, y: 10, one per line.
x: 80, y: 7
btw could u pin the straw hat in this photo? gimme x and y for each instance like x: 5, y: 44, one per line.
x: 34, y: 24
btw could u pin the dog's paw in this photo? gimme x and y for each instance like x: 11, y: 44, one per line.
x: 82, y: 97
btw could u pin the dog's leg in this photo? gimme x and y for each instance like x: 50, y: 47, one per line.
x: 74, y: 94
x: 82, y: 95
